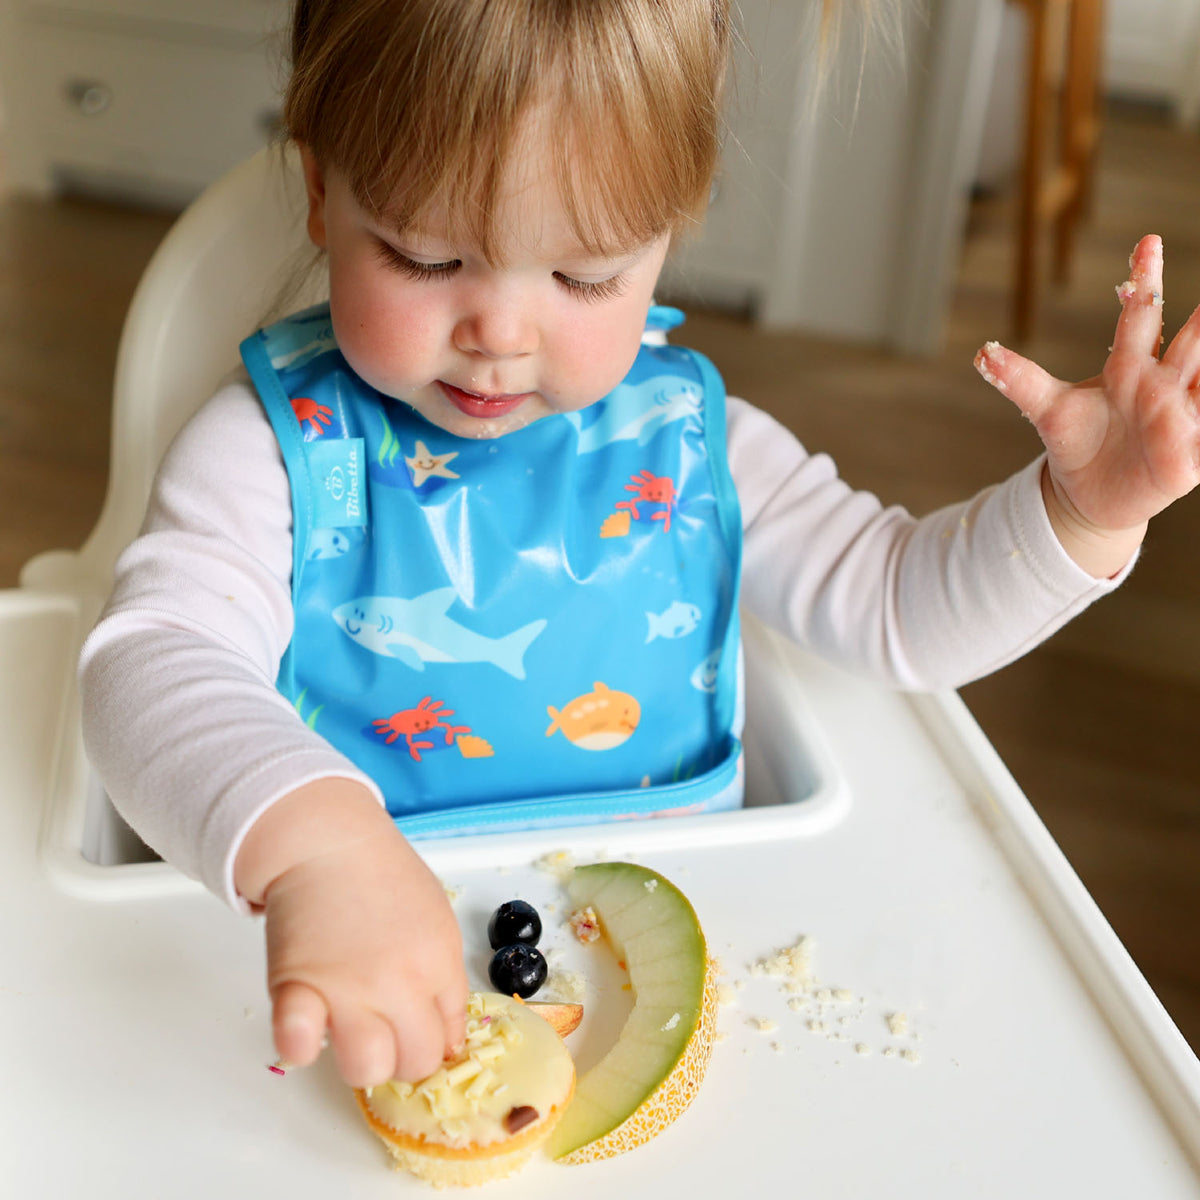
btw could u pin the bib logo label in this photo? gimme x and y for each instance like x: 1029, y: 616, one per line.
x: 337, y: 464
x: 335, y: 485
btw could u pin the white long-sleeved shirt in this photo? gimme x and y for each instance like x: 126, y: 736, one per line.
x: 193, y: 742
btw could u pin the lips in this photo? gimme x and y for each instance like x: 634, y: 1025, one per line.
x: 475, y: 404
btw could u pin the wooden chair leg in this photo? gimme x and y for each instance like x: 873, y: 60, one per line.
x: 1036, y: 106
x: 1080, y: 125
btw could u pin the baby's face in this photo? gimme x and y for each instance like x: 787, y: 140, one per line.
x: 482, y: 350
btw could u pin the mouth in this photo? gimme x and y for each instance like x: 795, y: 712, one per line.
x: 476, y: 404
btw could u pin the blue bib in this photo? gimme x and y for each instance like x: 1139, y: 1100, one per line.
x: 535, y: 630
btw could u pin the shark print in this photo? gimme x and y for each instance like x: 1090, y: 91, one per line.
x: 292, y: 344
x: 418, y: 631
x: 629, y: 416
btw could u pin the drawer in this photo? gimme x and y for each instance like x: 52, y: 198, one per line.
x: 172, y: 114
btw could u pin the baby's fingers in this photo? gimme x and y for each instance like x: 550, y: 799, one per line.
x: 1184, y: 351
x: 1030, y: 388
x: 452, y: 1008
x: 364, y: 1047
x: 1139, y: 327
x: 298, y: 1019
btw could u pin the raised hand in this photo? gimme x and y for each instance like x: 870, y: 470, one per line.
x: 1123, y: 445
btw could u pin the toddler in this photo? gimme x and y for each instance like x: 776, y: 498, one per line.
x: 465, y: 549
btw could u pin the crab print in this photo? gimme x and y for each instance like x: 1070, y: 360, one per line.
x: 650, y: 489
x: 317, y: 415
x: 412, y: 723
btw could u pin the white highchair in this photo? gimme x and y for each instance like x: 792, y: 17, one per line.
x: 881, y: 823
x: 215, y: 272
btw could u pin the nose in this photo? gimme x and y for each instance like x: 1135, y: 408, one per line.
x: 496, y: 325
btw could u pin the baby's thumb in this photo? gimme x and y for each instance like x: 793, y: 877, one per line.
x: 1030, y: 388
x: 298, y: 1022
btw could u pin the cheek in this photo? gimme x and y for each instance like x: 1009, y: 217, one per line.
x: 383, y: 334
x: 600, y: 349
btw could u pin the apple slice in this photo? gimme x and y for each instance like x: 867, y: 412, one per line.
x: 564, y: 1018
x: 657, y: 1064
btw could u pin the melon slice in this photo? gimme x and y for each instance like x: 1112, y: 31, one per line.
x: 656, y: 1066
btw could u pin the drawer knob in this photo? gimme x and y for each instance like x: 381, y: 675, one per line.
x: 89, y: 96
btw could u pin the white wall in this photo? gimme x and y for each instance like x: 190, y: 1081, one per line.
x: 1153, y: 49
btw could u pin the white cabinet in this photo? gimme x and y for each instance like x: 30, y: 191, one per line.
x: 1152, y: 48
x: 147, y: 98
x: 841, y: 213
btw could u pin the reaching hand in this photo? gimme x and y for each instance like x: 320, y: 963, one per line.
x: 361, y: 940
x: 1123, y: 445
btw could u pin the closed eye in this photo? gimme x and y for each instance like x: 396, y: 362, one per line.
x: 603, y: 289
x: 420, y: 271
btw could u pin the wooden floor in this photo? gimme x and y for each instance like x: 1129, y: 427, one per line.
x: 1099, y: 725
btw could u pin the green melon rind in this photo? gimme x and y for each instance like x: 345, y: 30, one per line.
x: 674, y: 982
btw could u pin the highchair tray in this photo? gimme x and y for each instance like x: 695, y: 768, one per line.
x: 969, y: 1025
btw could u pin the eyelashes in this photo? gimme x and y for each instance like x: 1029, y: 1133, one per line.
x: 409, y: 267
x: 604, y: 289
x: 420, y: 272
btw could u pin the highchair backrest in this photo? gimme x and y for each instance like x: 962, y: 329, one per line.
x: 214, y: 278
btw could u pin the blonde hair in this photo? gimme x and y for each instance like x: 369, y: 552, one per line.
x: 418, y: 103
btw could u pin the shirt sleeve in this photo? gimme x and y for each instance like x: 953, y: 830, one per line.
x: 180, y: 713
x: 917, y: 604
x: 193, y: 742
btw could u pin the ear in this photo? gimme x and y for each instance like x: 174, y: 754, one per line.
x: 314, y: 183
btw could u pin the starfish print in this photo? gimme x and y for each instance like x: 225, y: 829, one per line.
x: 423, y: 465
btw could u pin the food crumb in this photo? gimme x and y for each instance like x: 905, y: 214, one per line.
x: 897, y: 1022
x: 793, y: 963
x: 584, y: 924
x: 671, y: 1023
x: 558, y: 863
x: 726, y: 995
x: 764, y: 1024
x: 862, y: 1048
x: 650, y: 885
x: 567, y: 987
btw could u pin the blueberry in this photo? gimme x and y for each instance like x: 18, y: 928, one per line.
x: 517, y: 968
x: 514, y: 921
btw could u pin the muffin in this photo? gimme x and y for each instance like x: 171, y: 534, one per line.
x: 482, y: 1116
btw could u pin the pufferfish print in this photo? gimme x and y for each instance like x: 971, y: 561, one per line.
x: 601, y: 719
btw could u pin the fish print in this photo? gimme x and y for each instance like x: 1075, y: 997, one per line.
x: 418, y: 631
x: 601, y: 719
x: 677, y: 621
x: 331, y: 543
x: 704, y: 677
